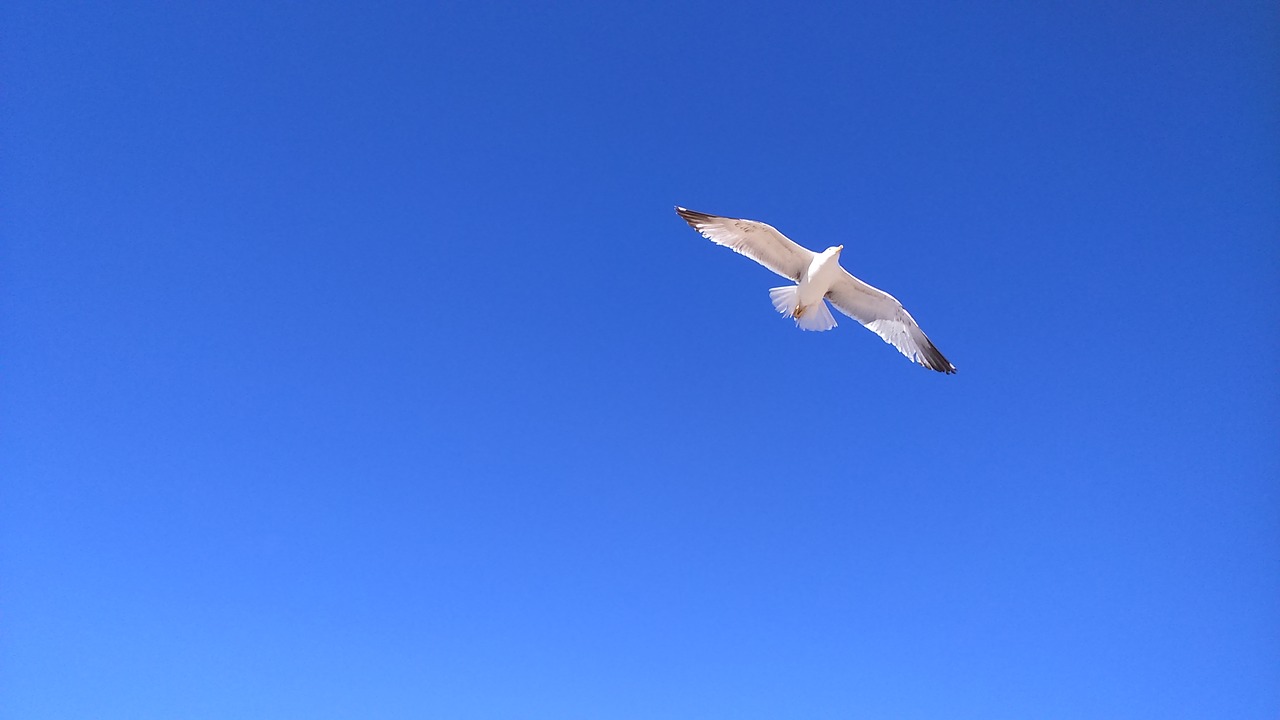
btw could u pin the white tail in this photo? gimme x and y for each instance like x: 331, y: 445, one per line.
x: 816, y: 317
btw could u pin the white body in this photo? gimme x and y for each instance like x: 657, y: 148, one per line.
x: 818, y: 278
x: 804, y: 302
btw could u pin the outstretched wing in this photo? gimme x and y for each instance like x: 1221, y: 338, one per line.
x: 756, y: 240
x: 883, y: 315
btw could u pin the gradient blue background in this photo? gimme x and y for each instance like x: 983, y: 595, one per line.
x: 356, y: 365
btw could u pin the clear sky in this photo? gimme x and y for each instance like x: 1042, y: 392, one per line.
x: 354, y: 363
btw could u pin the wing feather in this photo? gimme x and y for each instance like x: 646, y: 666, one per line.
x: 756, y: 240
x: 882, y: 314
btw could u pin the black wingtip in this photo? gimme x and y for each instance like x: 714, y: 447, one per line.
x: 692, y: 216
x: 931, y: 358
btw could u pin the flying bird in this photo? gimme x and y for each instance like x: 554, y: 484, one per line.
x: 819, y: 276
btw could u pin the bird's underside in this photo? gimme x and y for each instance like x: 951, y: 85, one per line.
x: 819, y: 278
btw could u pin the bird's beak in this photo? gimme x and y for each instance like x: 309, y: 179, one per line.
x: 839, y: 249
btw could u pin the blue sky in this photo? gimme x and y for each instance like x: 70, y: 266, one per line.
x: 356, y: 364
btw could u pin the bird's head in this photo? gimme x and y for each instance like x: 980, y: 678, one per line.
x: 835, y: 251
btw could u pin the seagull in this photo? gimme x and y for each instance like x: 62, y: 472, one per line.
x: 819, y: 276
